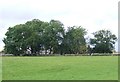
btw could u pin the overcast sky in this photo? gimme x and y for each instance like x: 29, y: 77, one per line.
x: 90, y: 14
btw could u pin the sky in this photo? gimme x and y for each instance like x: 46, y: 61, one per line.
x: 93, y: 15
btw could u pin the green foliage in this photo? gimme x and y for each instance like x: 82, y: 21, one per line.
x: 14, y: 43
x: 38, y: 37
x: 22, y: 37
x: 54, y: 33
x: 103, y: 41
x: 34, y: 36
x: 74, y: 40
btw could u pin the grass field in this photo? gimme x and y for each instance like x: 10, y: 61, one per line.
x: 60, y: 68
x: 0, y: 68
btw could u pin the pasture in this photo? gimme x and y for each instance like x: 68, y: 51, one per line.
x: 0, y: 68
x: 60, y: 68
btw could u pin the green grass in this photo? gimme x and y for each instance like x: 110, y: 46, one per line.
x: 0, y: 68
x: 61, y: 68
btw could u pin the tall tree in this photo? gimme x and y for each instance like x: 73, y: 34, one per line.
x: 14, y: 42
x: 22, y: 37
x: 54, y: 35
x: 103, y: 41
x: 34, y: 40
x: 37, y: 37
x: 74, y: 40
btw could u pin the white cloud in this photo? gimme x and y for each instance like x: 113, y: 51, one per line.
x: 90, y: 14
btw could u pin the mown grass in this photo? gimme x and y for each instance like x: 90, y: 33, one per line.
x: 0, y: 68
x: 61, y: 68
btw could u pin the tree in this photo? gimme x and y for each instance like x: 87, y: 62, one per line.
x: 50, y: 37
x: 34, y: 40
x: 74, y: 40
x: 53, y: 36
x: 14, y: 42
x: 22, y: 37
x: 103, y: 41
x: 35, y: 36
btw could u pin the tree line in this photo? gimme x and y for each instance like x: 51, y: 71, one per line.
x: 38, y: 37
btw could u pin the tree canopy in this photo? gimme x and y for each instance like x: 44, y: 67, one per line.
x: 103, y: 41
x: 74, y: 40
x: 38, y: 37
